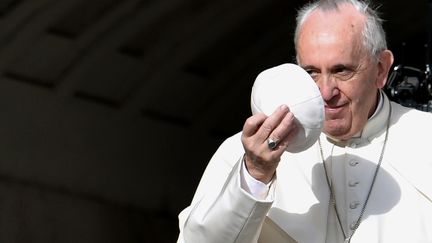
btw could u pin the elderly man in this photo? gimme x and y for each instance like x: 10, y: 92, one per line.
x: 366, y: 179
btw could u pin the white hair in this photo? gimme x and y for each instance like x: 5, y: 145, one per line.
x: 374, y: 39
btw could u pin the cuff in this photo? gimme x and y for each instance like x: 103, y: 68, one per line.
x: 254, y: 187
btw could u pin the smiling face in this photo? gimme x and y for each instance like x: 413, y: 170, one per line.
x: 330, y: 49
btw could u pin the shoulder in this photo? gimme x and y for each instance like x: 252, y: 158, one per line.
x: 409, y: 149
x: 410, y: 132
x: 411, y: 119
x: 233, y: 142
x: 229, y: 151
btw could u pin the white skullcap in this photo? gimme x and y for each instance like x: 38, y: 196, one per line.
x: 291, y: 85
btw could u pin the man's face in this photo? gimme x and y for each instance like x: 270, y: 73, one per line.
x: 330, y: 48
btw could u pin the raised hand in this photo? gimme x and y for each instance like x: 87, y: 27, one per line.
x: 265, y: 138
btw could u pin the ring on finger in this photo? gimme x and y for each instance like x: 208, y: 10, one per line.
x: 272, y: 143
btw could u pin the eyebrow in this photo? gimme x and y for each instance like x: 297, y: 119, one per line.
x: 339, y: 66
x: 334, y: 67
x: 308, y: 67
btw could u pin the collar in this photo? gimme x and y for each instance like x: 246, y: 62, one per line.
x: 375, y: 126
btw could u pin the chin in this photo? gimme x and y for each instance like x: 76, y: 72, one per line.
x: 336, y: 132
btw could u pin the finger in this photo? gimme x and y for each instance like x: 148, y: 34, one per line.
x: 284, y: 128
x: 271, y: 123
x: 253, y: 123
x: 294, y: 128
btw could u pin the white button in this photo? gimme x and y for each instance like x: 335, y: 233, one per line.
x: 354, y: 205
x: 353, y: 145
x: 353, y: 183
x: 353, y: 162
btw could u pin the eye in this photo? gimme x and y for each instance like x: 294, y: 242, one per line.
x: 313, y: 73
x: 343, y: 73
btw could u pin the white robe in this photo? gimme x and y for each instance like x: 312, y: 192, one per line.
x: 399, y: 208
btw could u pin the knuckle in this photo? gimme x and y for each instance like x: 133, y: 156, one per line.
x: 267, y: 127
x: 250, y: 122
x: 254, y: 121
x: 276, y: 136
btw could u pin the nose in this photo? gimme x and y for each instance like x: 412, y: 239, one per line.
x: 328, y: 87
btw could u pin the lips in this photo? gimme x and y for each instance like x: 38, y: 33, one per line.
x: 332, y: 110
x: 333, y: 107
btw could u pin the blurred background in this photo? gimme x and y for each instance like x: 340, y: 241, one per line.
x: 111, y: 109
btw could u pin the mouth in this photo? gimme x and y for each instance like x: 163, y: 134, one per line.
x: 333, y: 109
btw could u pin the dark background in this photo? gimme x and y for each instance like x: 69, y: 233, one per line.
x: 111, y: 109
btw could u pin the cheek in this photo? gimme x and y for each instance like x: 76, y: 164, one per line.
x: 360, y: 102
x: 361, y: 106
x: 351, y: 92
x: 361, y: 98
x: 359, y: 90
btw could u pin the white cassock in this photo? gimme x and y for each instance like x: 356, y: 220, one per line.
x: 298, y: 210
x: 296, y: 207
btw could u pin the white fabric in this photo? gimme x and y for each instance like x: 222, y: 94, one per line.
x: 399, y: 210
x: 291, y: 85
x: 256, y: 188
x: 351, y: 177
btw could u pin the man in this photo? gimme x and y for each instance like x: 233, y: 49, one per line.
x: 367, y: 178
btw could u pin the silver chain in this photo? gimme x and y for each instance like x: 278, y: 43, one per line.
x: 332, y: 199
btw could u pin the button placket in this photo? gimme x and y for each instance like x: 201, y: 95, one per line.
x: 353, y: 145
x: 353, y: 183
x: 354, y: 204
x: 353, y: 163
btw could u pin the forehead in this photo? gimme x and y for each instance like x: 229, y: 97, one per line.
x: 339, y: 29
x: 343, y: 14
x: 346, y: 18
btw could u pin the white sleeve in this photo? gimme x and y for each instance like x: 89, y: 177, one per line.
x: 256, y: 188
x: 221, y: 211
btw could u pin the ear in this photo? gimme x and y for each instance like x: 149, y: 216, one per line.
x: 384, y: 64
